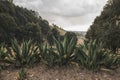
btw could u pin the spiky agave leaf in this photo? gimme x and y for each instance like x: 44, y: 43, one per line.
x: 47, y: 54
x: 92, y: 56
x: 65, y: 50
x: 23, y: 54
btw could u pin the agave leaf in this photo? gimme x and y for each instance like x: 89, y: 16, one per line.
x: 92, y: 56
x: 22, y: 54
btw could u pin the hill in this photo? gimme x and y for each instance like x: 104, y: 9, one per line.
x: 106, y: 27
x: 23, y: 24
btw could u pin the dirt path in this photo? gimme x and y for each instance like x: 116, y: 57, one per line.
x: 73, y: 72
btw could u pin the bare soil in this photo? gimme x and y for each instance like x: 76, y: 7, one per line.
x: 71, y: 72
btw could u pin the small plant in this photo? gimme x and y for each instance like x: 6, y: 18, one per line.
x: 92, y: 56
x: 22, y: 75
x: 111, y: 60
x: 3, y: 54
x: 22, y: 54
x: 65, y: 50
x: 47, y: 54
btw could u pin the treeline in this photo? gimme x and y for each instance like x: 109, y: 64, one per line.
x: 23, y: 24
x: 106, y: 27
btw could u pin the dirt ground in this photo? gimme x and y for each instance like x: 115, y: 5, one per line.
x: 71, y: 72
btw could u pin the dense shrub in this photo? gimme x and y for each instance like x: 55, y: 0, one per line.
x: 47, y: 54
x: 106, y: 27
x: 92, y: 56
x: 65, y: 50
x: 23, y: 54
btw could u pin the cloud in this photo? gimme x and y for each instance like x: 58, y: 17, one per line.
x: 69, y: 14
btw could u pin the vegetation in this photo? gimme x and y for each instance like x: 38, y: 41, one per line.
x: 65, y: 50
x: 23, y: 54
x: 106, y: 27
x: 92, y: 56
x: 3, y: 54
x: 70, y: 35
x: 22, y: 74
x: 47, y: 55
x: 54, y: 32
x: 22, y: 24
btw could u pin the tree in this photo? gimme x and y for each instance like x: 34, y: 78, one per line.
x: 56, y: 33
x: 53, y: 33
x: 8, y: 27
x: 112, y: 39
x: 105, y: 25
x: 21, y: 23
x: 32, y: 31
x: 70, y: 35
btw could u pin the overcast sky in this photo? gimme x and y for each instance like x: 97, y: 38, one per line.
x: 73, y: 15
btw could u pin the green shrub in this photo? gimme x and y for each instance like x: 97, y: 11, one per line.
x: 22, y: 54
x: 92, y: 56
x: 47, y: 54
x: 3, y: 54
x: 111, y: 60
x: 65, y: 50
x: 22, y: 75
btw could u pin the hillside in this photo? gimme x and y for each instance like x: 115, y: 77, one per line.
x: 23, y: 24
x: 106, y: 26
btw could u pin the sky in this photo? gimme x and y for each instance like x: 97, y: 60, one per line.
x: 71, y: 15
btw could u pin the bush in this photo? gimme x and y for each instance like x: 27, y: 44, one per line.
x: 92, y: 56
x: 22, y: 54
x: 3, y: 54
x: 47, y: 54
x: 65, y: 50
x: 70, y: 35
x: 22, y: 75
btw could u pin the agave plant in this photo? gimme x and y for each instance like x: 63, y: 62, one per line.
x: 47, y: 54
x: 22, y: 54
x: 92, y: 56
x: 3, y: 54
x: 111, y: 60
x: 65, y: 50
x: 22, y: 75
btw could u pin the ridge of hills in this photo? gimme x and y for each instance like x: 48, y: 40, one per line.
x: 23, y: 24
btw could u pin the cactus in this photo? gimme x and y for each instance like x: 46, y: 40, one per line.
x: 92, y: 56
x: 47, y: 54
x: 3, y: 54
x: 22, y: 54
x: 65, y: 50
x: 22, y: 74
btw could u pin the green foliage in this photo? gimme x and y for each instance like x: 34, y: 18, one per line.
x: 106, y: 27
x: 22, y: 74
x: 3, y: 54
x: 65, y: 50
x: 23, y: 54
x: 50, y: 39
x: 47, y: 54
x: 32, y: 31
x: 54, y: 32
x: 92, y: 56
x: 45, y: 28
x: 89, y: 55
x: 7, y: 27
x: 21, y: 23
x: 111, y: 39
x: 111, y: 61
x: 70, y: 35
